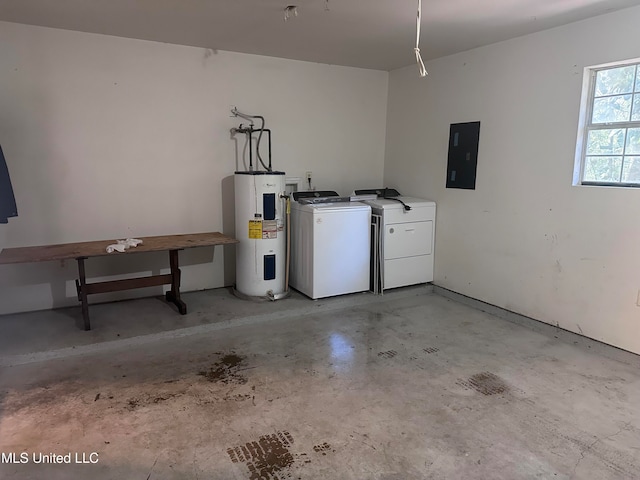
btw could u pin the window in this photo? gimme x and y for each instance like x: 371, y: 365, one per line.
x: 608, y: 149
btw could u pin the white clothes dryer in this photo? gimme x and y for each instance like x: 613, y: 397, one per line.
x: 407, y: 237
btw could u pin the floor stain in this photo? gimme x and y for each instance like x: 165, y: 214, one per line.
x: 145, y: 400
x: 162, y: 398
x: 303, y: 458
x: 226, y: 370
x: 323, y: 448
x: 268, y: 458
x: 239, y: 397
x: 485, y: 383
x: 431, y: 349
x: 388, y: 354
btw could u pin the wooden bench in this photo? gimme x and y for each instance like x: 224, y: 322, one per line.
x: 84, y: 250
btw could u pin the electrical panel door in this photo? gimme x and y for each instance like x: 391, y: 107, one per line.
x: 463, y: 155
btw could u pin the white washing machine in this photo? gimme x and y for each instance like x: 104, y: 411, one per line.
x: 330, y: 244
x: 406, y: 237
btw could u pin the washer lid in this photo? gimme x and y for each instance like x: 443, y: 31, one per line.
x: 258, y: 172
x: 389, y: 204
x: 338, y: 207
x: 380, y: 192
x: 297, y: 196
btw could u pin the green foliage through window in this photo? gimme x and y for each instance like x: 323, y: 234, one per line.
x: 611, y: 151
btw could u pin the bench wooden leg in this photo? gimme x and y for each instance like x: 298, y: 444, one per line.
x: 82, y: 293
x: 173, y: 295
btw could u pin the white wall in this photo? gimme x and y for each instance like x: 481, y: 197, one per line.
x: 525, y: 239
x: 108, y: 137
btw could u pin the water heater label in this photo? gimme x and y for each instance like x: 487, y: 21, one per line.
x: 255, y: 229
x: 269, y: 229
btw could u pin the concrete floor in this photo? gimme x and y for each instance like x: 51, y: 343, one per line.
x: 410, y: 385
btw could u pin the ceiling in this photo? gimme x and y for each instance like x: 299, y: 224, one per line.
x: 377, y: 34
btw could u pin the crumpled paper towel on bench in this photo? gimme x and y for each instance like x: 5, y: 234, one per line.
x: 122, y: 245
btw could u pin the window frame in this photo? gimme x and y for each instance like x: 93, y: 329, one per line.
x: 584, y: 125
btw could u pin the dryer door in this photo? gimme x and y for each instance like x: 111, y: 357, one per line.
x: 408, y: 239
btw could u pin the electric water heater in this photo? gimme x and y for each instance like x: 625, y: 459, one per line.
x: 260, y: 220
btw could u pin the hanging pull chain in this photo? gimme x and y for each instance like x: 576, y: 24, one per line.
x: 423, y: 70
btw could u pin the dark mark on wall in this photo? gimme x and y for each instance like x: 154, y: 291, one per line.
x: 431, y: 350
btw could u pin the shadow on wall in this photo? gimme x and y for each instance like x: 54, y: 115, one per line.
x: 8, y: 207
x: 241, y: 156
x: 229, y: 228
